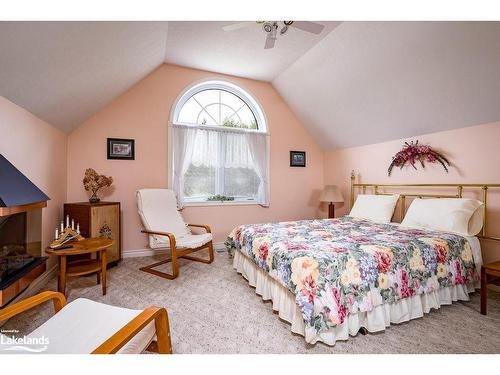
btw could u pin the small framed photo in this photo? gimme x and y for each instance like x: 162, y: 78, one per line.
x: 297, y: 158
x: 121, y: 149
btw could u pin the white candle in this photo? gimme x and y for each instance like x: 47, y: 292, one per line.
x: 67, y: 221
x: 78, y: 228
x: 57, y: 233
x: 73, y: 224
x: 62, y: 227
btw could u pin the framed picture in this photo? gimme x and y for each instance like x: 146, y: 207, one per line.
x: 297, y: 158
x: 121, y: 149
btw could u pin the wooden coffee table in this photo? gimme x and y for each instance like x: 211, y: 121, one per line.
x: 82, y: 266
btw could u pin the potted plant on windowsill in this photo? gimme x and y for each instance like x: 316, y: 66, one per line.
x: 219, y: 198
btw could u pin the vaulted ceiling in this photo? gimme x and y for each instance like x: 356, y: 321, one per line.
x: 355, y: 83
x: 240, y: 52
x: 64, y: 72
x: 368, y: 82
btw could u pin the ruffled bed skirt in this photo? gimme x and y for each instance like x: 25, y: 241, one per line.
x: 374, y: 321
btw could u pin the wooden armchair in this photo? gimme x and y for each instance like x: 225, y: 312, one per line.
x: 158, y: 209
x: 99, y: 328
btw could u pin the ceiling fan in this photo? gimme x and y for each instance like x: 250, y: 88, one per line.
x: 272, y: 28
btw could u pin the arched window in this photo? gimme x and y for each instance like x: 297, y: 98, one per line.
x: 219, y: 146
x: 219, y: 103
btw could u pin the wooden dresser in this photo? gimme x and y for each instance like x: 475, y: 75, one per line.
x: 99, y: 220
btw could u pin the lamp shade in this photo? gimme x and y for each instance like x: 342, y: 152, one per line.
x: 331, y: 193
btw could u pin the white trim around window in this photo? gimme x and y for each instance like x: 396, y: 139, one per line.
x: 263, y: 129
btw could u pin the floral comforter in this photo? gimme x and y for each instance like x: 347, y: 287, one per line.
x: 346, y: 265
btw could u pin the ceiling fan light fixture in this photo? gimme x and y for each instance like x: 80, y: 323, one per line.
x: 268, y: 27
x: 273, y: 29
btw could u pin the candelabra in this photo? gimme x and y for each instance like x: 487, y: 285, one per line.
x: 68, y: 234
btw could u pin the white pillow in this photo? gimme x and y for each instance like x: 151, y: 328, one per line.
x: 374, y: 207
x: 460, y: 215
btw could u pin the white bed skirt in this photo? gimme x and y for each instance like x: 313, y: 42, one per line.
x: 374, y: 321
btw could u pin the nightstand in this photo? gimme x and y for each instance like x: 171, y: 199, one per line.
x: 491, y: 269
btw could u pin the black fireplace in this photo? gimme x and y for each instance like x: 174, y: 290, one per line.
x: 20, y: 244
x: 21, y: 204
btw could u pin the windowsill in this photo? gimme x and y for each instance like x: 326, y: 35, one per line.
x: 226, y: 203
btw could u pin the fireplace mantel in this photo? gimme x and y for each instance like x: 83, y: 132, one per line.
x: 5, y: 211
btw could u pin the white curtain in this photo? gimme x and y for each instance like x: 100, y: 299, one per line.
x: 206, y: 147
x: 215, y: 148
x: 231, y: 152
x: 258, y: 149
x: 183, y: 145
x: 236, y: 150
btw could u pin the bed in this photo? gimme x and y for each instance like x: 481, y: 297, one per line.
x: 331, y: 277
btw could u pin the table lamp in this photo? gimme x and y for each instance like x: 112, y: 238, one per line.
x: 331, y: 194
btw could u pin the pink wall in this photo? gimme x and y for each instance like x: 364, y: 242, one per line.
x: 142, y: 113
x: 39, y: 151
x: 473, y: 152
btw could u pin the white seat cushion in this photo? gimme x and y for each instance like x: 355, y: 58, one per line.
x: 190, y: 241
x: 158, y: 212
x: 81, y: 326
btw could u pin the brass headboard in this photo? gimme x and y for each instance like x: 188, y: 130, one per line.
x: 402, y: 196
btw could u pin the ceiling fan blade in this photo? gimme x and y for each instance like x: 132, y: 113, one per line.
x: 270, y: 40
x: 237, y: 26
x: 311, y: 27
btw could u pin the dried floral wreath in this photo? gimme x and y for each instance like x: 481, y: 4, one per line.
x: 413, y: 152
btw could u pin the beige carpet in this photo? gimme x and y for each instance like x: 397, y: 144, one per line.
x: 212, y: 309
